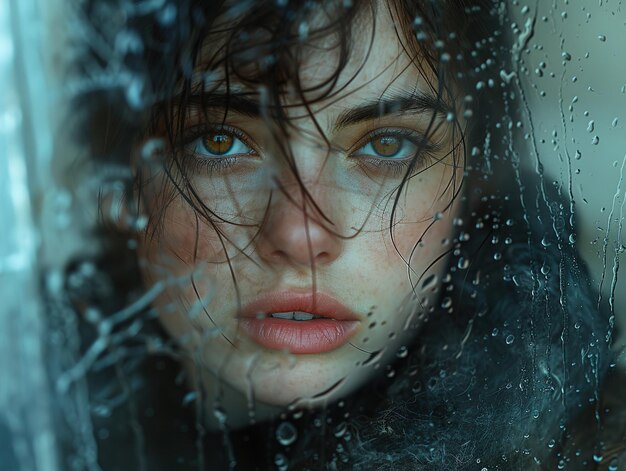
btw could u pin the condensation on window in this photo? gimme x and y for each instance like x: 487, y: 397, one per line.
x: 312, y: 235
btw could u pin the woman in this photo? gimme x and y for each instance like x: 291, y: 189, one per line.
x: 330, y: 217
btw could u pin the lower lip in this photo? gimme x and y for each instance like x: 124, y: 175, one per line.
x: 313, y: 336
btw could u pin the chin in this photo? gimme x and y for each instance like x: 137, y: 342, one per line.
x: 304, y: 381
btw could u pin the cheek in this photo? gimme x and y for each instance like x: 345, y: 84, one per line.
x: 422, y: 243
x: 421, y: 227
x: 181, y: 238
x: 420, y: 236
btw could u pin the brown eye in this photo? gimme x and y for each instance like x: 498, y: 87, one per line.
x: 218, y: 143
x: 387, y: 146
x: 390, y: 145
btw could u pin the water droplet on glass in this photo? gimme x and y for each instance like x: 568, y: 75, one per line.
x: 613, y: 465
x: 602, y: 37
x: 551, y: 443
x: 614, y: 123
x: 190, y: 397
x: 340, y: 430
x: 402, y: 352
x: 102, y: 410
x: 430, y: 282
x: 303, y: 31
x: 134, y: 93
x: 168, y: 14
x: 281, y: 462
x: 590, y: 126
x: 597, y: 457
x: 494, y: 332
x: 220, y: 415
x: 516, y: 280
x: 509, y: 339
x: 286, y: 433
x: 595, y: 140
x: 446, y: 303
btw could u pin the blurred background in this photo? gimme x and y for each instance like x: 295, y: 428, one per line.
x: 575, y: 84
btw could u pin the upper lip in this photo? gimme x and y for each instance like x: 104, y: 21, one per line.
x: 316, y: 303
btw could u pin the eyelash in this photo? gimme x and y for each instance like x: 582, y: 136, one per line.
x: 214, y: 165
x: 425, y: 150
x: 211, y: 165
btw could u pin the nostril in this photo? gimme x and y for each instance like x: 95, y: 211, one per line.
x: 323, y: 257
x: 279, y: 256
x: 303, y: 257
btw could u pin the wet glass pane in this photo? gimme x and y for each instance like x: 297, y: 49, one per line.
x: 312, y: 235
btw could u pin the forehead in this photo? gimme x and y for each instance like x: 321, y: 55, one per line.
x: 379, y: 59
x: 326, y: 65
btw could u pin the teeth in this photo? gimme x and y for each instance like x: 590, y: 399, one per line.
x: 296, y: 316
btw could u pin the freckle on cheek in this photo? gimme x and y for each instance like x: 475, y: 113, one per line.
x: 182, y: 236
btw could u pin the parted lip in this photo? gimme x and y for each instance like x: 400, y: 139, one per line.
x: 315, y: 303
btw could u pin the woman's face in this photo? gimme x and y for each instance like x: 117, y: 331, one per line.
x: 296, y: 280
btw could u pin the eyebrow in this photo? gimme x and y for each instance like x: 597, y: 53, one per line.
x: 236, y: 103
x: 396, y: 103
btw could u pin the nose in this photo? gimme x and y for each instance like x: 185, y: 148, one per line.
x: 295, y: 234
